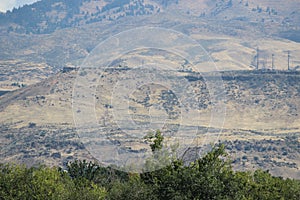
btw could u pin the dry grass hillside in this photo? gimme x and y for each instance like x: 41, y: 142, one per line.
x: 69, y: 47
x: 42, y: 42
x: 261, y: 121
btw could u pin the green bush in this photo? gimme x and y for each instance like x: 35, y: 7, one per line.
x: 20, y: 182
x: 210, y: 177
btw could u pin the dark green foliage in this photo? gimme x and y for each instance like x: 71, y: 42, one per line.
x: 206, y: 178
x: 210, y: 177
x: 135, y: 188
x: 20, y: 182
x: 82, y: 169
x: 158, y: 142
x: 213, y: 178
x: 104, y: 176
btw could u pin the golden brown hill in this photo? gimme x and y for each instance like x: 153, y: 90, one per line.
x: 261, y: 127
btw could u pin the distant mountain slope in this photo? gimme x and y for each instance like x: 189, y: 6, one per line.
x: 59, y: 33
x: 46, y: 16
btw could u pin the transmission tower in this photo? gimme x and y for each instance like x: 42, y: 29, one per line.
x: 257, y: 57
x: 272, y: 61
x: 289, y: 56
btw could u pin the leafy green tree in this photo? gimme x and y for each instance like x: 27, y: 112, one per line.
x: 20, y: 182
x: 43, y: 183
x: 103, y: 176
x: 82, y: 169
x: 158, y: 141
x: 14, y: 181
x: 206, y: 178
x: 209, y: 177
x: 135, y: 188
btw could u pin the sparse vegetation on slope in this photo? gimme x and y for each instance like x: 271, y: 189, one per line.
x: 36, y: 123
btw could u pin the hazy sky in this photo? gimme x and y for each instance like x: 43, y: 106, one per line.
x: 10, y: 4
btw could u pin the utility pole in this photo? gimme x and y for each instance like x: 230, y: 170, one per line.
x: 257, y: 57
x: 289, y: 56
x: 272, y: 61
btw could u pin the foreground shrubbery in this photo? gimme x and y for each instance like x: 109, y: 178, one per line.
x: 210, y: 177
x: 19, y: 182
